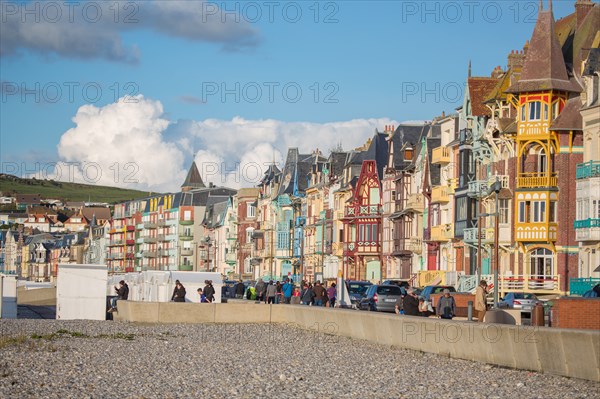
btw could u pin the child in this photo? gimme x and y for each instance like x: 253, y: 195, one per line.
x: 202, y: 296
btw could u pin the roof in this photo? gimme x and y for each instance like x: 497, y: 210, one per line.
x: 28, y: 199
x: 479, y: 90
x: 544, y: 67
x: 100, y: 213
x: 406, y: 136
x: 193, y: 178
x: 570, y: 117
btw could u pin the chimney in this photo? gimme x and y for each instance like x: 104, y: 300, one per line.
x: 582, y: 8
x: 516, y: 59
x: 443, y: 114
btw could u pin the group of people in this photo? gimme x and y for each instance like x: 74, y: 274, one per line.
x: 271, y: 292
x: 206, y: 295
x: 412, y: 304
x: 318, y: 295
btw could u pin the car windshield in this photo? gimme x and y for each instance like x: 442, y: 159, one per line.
x: 525, y: 296
x: 388, y: 290
x: 358, y: 288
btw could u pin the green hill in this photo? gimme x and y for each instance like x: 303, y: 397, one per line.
x: 10, y: 185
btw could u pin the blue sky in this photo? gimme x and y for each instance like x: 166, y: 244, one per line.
x: 362, y: 56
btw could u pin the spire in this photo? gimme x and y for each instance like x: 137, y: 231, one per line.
x: 193, y: 179
x: 469, y: 68
x: 544, y: 67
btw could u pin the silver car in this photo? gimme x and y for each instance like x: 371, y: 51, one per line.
x: 520, y: 300
x: 381, y: 298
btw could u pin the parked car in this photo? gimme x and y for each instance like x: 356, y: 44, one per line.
x: 519, y: 300
x: 593, y: 293
x: 403, y: 284
x: 381, y: 298
x: 357, y: 290
x: 434, y: 289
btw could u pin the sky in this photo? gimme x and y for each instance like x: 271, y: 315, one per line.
x: 128, y: 93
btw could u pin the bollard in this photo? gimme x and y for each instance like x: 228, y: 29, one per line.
x: 470, y: 311
x: 537, y: 316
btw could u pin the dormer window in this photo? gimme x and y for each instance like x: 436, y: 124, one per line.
x: 408, y: 154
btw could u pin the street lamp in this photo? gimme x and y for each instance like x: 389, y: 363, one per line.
x: 495, y: 188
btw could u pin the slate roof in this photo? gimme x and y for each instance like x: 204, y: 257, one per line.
x: 404, y: 136
x: 193, y: 178
x: 479, y: 90
x: 544, y: 67
x: 570, y: 117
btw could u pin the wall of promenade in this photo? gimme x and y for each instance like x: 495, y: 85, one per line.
x: 567, y: 352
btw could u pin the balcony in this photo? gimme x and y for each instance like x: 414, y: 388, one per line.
x: 453, y: 183
x: 231, y: 258
x: 161, y: 223
x: 139, y: 240
x: 530, y: 283
x: 115, y: 243
x: 149, y: 254
x: 442, y: 233
x: 441, y: 155
x: 186, y: 236
x: 161, y: 237
x: 478, y: 188
x: 130, y: 228
x: 187, y: 251
x: 149, y: 240
x: 186, y: 222
x: 440, y: 195
x: 363, y: 210
x: 471, y: 235
x: 414, y: 245
x: 415, y: 203
x: 139, y: 226
x: 130, y: 242
x: 536, y: 232
x: 186, y: 268
x: 149, y: 225
x: 129, y: 255
x: 537, y: 180
x: 588, y: 169
x: 587, y: 230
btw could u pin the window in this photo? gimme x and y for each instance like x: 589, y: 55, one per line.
x: 523, y: 113
x: 408, y: 154
x: 187, y: 215
x: 555, y: 110
x: 251, y: 210
x: 545, y: 111
x: 503, y: 206
x: 361, y: 233
x: 524, y: 211
x: 249, y: 232
x: 553, y: 215
x: 542, y: 263
x: 461, y: 208
x: 539, y: 211
x: 534, y: 110
x: 374, y: 232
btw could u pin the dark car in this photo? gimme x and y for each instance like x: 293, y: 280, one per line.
x: 357, y: 290
x: 593, y: 293
x: 403, y: 284
x: 381, y: 298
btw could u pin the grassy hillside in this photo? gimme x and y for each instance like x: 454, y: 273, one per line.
x: 10, y: 185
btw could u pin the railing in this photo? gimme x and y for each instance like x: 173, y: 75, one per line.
x: 415, y: 203
x: 578, y: 286
x: 477, y: 188
x: 415, y: 245
x: 440, y: 194
x: 149, y: 254
x: 149, y: 225
x: 453, y: 183
x: 186, y: 268
x: 186, y: 236
x: 587, y: 223
x: 534, y: 180
x: 186, y: 222
x: 441, y: 155
x: 187, y: 251
x: 149, y: 240
x: 436, y: 277
x: 231, y: 258
x: 471, y: 235
x: 130, y: 242
x: 587, y: 230
x: 442, y: 232
x: 529, y: 283
x: 588, y: 169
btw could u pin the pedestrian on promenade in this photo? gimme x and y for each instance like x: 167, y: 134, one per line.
x: 122, y: 295
x: 481, y: 300
x: 307, y: 295
x: 178, y: 292
x: 288, y: 291
x: 278, y: 292
x: 319, y: 294
x: 332, y: 294
x: 209, y: 291
x: 424, y: 307
x: 202, y: 296
x: 271, y: 292
x: 410, y: 303
x: 260, y: 286
x: 239, y: 290
x: 446, y: 307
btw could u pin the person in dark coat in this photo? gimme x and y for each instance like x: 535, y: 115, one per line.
x: 122, y: 295
x: 239, y: 290
x: 209, y: 291
x: 410, y: 303
x: 307, y: 295
x: 178, y: 292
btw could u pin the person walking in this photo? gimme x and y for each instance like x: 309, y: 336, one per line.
x: 288, y: 291
x: 239, y: 290
x: 319, y: 292
x: 278, y: 292
x: 481, y: 300
x: 332, y: 294
x: 446, y: 307
x: 178, y: 292
x: 271, y: 292
x: 202, y: 296
x: 307, y: 295
x: 260, y: 286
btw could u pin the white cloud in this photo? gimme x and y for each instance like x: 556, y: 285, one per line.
x: 130, y: 144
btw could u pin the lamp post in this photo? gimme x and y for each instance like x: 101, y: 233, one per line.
x: 496, y: 187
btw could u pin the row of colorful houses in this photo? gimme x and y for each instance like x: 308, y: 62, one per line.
x: 509, y: 182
